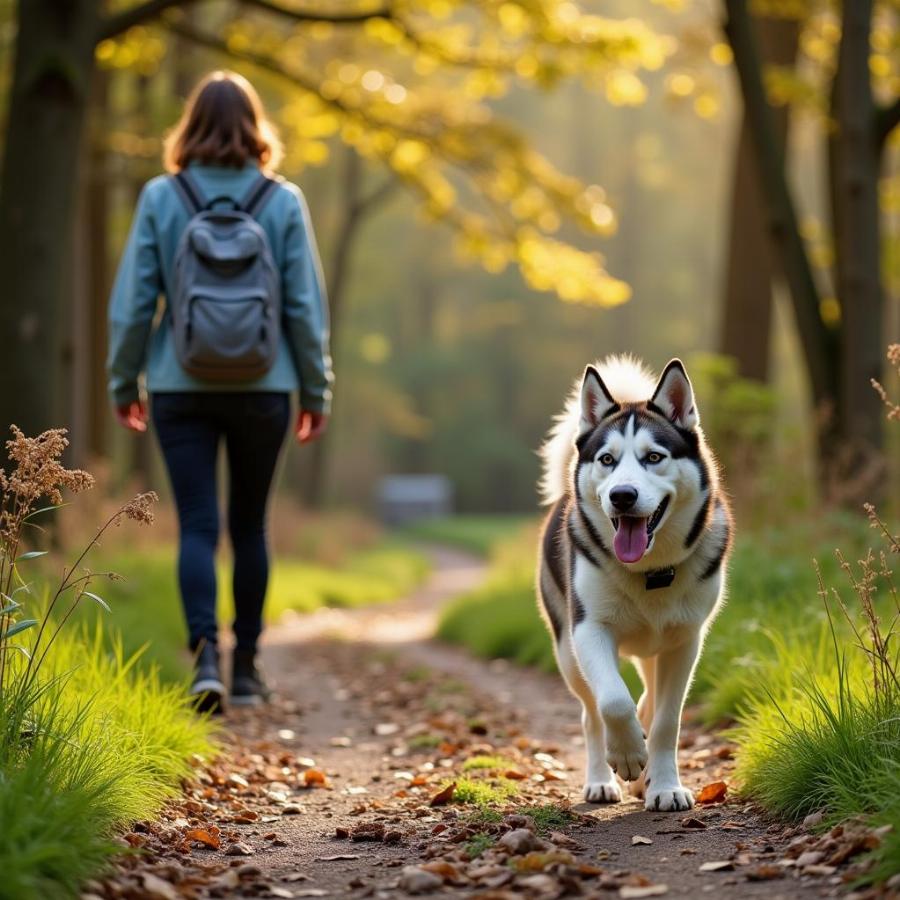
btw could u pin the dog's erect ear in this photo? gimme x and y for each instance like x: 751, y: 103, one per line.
x: 596, y: 401
x: 675, y: 396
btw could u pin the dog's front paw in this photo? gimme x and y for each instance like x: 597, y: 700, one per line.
x: 602, y: 792
x: 626, y: 751
x: 668, y: 799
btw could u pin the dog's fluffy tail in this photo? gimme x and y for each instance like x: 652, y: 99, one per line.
x: 628, y: 380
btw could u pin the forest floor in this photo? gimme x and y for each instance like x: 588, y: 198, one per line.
x: 341, y: 786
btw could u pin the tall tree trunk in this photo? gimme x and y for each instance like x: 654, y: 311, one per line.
x: 38, y: 190
x: 142, y: 444
x: 747, y: 312
x: 854, y: 171
x: 817, y: 341
x: 98, y: 181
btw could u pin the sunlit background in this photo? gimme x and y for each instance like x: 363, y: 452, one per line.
x: 500, y: 195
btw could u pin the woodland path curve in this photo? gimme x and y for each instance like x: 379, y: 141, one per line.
x: 369, y: 701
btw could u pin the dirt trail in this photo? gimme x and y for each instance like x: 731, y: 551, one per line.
x: 327, y: 793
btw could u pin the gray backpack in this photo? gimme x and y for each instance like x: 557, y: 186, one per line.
x: 226, y: 289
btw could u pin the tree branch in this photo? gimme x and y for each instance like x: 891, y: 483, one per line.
x: 307, y: 15
x: 453, y: 218
x: 464, y: 59
x: 150, y: 9
x: 783, y: 222
x: 887, y: 118
x: 268, y: 64
x: 116, y: 24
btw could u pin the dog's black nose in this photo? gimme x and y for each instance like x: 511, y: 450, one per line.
x: 623, y: 497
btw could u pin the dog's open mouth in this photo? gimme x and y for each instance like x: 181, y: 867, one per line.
x: 633, y: 533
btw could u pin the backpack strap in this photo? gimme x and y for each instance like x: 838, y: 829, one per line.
x: 258, y: 194
x: 189, y: 191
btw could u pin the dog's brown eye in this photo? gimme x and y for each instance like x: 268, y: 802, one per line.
x: 654, y: 457
x: 607, y: 459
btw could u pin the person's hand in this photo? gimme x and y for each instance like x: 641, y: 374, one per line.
x: 133, y: 416
x: 310, y: 426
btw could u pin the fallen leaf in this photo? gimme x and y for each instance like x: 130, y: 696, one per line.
x: 819, y: 870
x: 228, y: 880
x: 443, y: 797
x: 692, y: 822
x: 383, y: 729
x: 514, y: 775
x: 441, y: 867
x: 719, y: 865
x: 563, y: 840
x: 537, y: 861
x: 640, y: 839
x: 632, y: 892
x: 313, y: 777
x: 337, y: 856
x: 520, y: 841
x: 765, y: 873
x: 713, y: 793
x: 589, y: 871
x: 201, y: 835
x: 367, y: 831
x: 240, y: 849
x: 416, y: 880
x: 813, y: 819
x: 157, y: 888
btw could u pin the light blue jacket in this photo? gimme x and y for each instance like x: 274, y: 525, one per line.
x: 138, y: 342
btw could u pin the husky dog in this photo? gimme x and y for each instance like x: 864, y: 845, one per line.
x: 632, y: 563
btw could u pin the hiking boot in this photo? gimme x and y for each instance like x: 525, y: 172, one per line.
x: 248, y: 686
x: 207, y: 688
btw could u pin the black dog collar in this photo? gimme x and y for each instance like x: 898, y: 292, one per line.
x: 660, y: 578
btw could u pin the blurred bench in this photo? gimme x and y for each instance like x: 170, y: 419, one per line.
x: 408, y: 498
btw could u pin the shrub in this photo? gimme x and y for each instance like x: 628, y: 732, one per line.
x: 89, y: 741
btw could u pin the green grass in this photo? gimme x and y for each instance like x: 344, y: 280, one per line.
x: 425, y: 741
x: 380, y: 575
x: 482, y: 792
x: 549, y: 817
x: 478, y: 844
x: 823, y: 740
x: 483, y: 816
x: 474, y: 763
x: 477, y: 534
x: 146, y: 611
x: 105, y: 743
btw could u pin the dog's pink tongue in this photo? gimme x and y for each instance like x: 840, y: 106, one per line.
x: 630, y: 541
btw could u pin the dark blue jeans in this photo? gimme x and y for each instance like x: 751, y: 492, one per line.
x: 191, y: 427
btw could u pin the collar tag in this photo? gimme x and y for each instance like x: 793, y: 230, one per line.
x: 660, y: 578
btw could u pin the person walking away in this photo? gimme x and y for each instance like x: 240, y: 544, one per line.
x: 219, y: 307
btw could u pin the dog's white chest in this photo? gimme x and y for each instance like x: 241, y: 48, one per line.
x: 644, y: 622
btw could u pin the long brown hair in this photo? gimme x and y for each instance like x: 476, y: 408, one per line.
x: 223, y: 124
